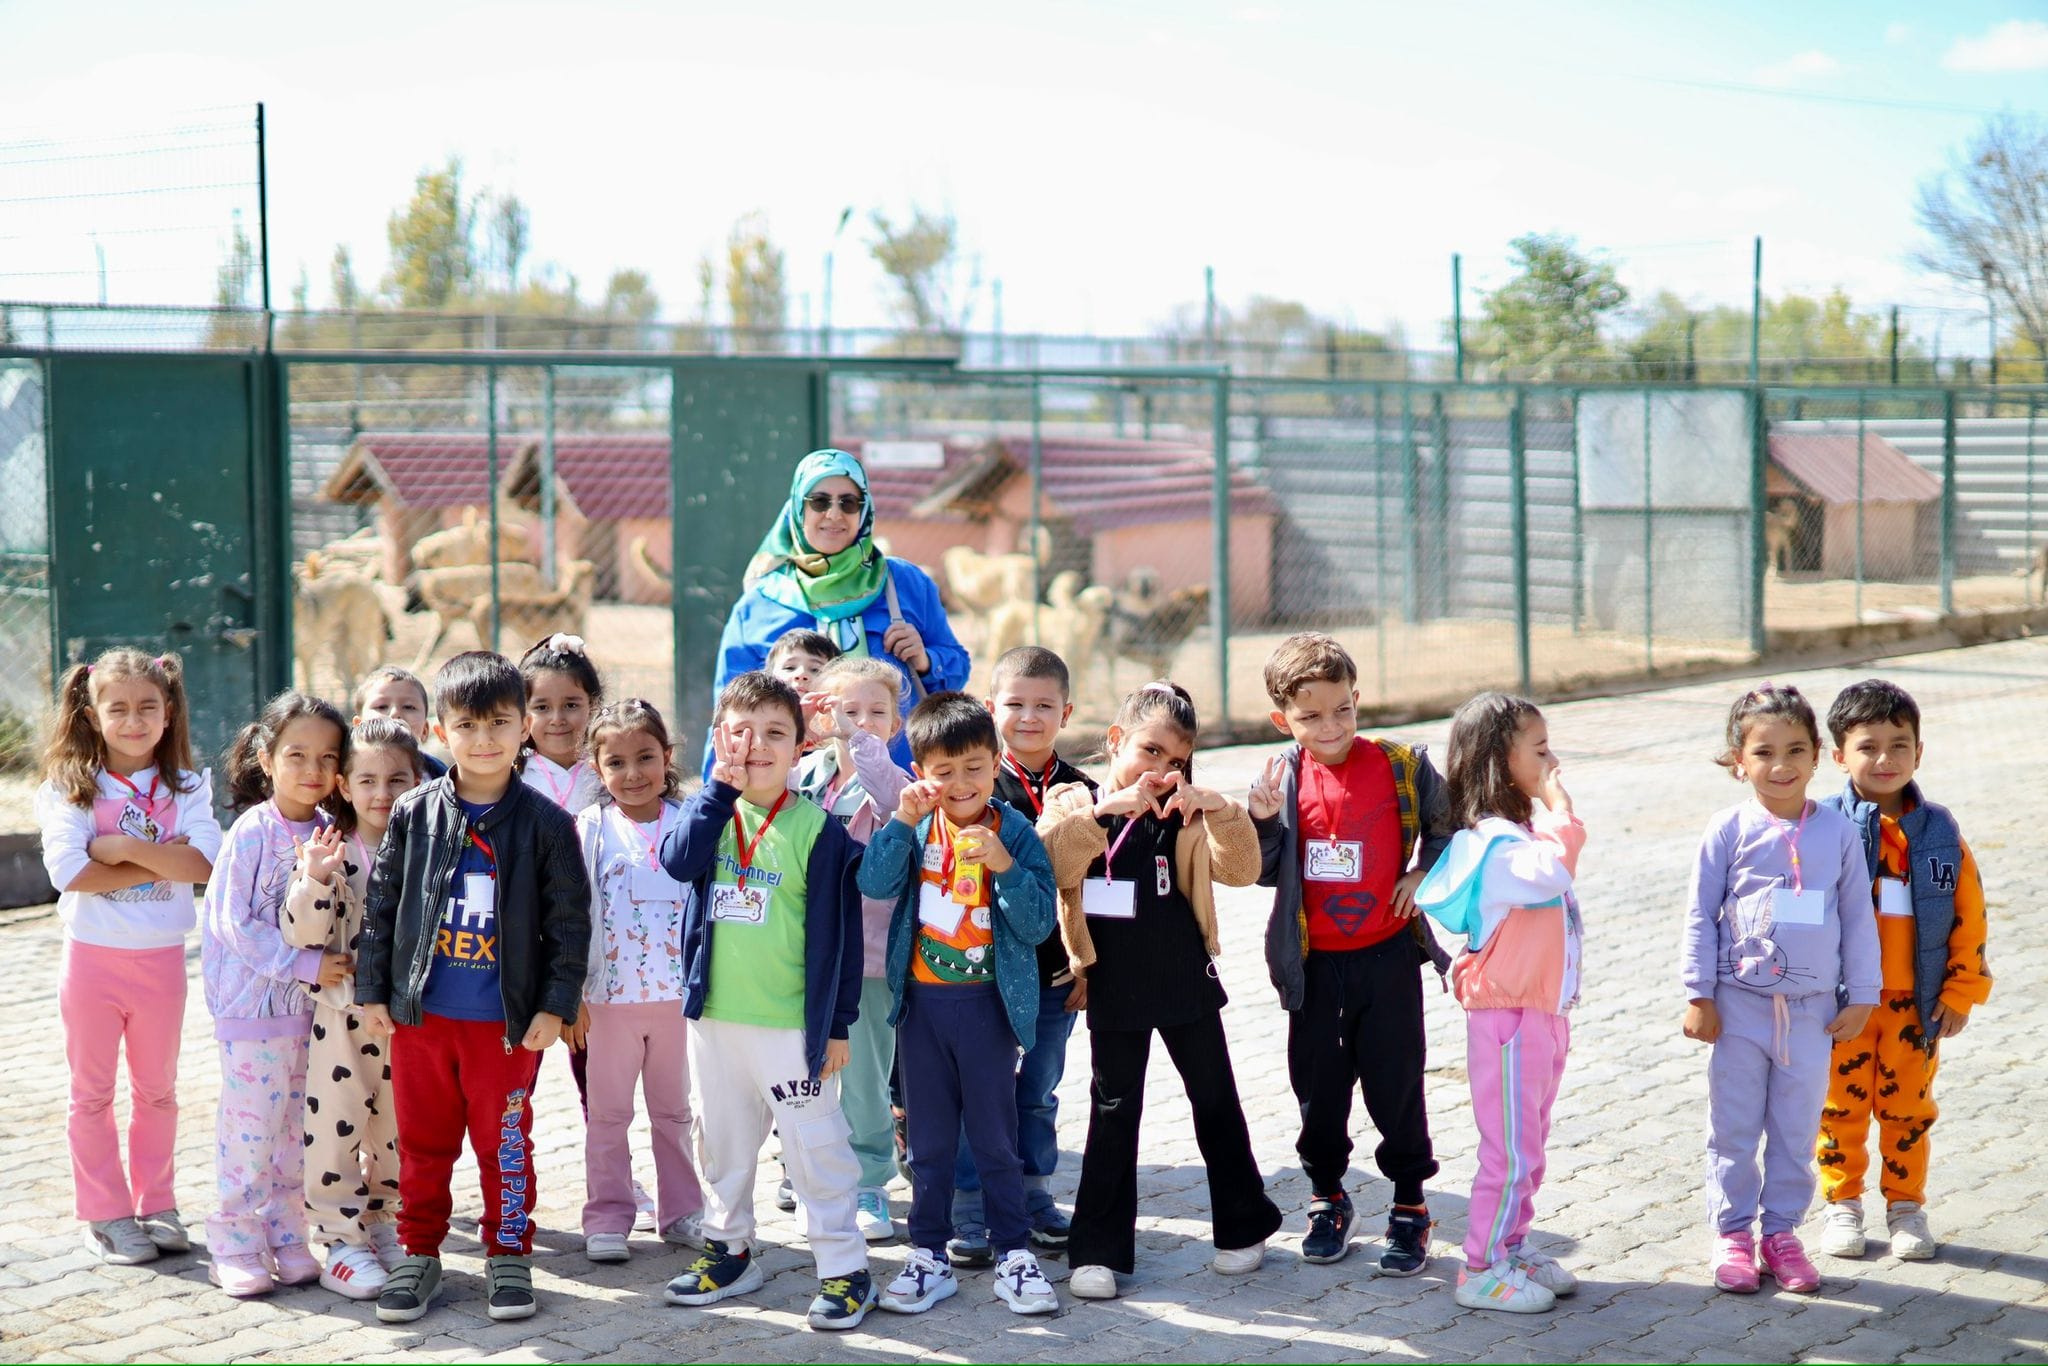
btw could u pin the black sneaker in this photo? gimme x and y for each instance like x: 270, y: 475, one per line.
x: 1329, y: 1229
x: 511, y: 1283
x: 1407, y: 1242
x: 717, y: 1273
x: 1049, y: 1231
x: 970, y: 1247
x: 409, y: 1289
x: 843, y: 1301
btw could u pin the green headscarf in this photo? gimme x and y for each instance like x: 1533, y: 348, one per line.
x: 834, y: 589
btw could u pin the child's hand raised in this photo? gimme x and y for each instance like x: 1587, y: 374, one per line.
x: 1552, y: 787
x: 1189, y: 800
x: 979, y: 844
x: 918, y: 800
x: 729, y: 747
x: 1263, y: 801
x: 1146, y: 794
x: 320, y: 856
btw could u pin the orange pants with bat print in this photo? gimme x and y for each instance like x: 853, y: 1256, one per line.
x: 1886, y: 1072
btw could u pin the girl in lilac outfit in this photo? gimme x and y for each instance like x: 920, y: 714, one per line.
x: 281, y: 771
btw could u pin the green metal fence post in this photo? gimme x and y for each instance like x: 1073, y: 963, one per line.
x: 1037, y: 503
x: 1379, y: 543
x: 1948, y: 502
x: 1649, y: 550
x: 1219, y: 569
x: 1578, y: 526
x: 1759, y: 460
x: 1857, y: 616
x: 547, y: 478
x: 1458, y: 316
x: 491, y: 491
x: 2027, y: 546
x: 1518, y: 484
x: 1411, y: 525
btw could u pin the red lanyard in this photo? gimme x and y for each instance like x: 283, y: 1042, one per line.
x: 1798, y: 884
x: 490, y: 854
x: 561, y: 793
x: 1035, y: 792
x: 147, y: 803
x: 740, y: 842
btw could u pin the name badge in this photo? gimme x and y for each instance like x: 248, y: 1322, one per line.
x: 1334, y: 861
x: 1789, y: 907
x: 479, y: 899
x: 739, y: 905
x: 1109, y: 900
x: 1894, y: 897
x: 651, y: 884
x: 934, y: 857
x: 936, y: 909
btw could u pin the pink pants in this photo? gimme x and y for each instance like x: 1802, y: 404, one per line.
x: 260, y: 1158
x: 107, y: 996
x: 644, y: 1042
x: 1514, y: 1060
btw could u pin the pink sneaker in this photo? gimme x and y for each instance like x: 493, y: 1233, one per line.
x: 1735, y: 1263
x: 1783, y: 1257
x: 241, y: 1276
x: 296, y: 1264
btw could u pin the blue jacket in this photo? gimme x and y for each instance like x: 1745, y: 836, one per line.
x: 1934, y: 854
x: 1022, y: 901
x: 832, y: 941
x: 758, y: 621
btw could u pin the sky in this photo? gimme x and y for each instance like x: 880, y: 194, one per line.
x: 1097, y: 156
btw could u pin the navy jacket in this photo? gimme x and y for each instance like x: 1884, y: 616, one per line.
x: 832, y: 942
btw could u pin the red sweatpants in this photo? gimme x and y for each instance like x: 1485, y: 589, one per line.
x: 448, y: 1077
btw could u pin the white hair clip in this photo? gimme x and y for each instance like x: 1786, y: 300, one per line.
x: 562, y: 643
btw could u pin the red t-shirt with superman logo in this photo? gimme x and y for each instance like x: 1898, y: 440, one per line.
x: 1350, y: 849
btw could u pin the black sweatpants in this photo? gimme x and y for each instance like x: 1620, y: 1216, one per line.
x: 1105, y: 1220
x: 1360, y: 1023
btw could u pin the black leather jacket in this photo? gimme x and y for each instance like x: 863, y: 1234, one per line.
x: 543, y: 903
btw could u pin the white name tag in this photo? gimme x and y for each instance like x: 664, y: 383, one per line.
x: 1894, y: 897
x: 1789, y: 907
x: 1334, y: 861
x: 934, y: 857
x: 652, y: 884
x: 936, y: 909
x: 479, y: 900
x: 742, y: 905
x: 1109, y: 900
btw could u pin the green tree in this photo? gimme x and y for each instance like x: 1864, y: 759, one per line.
x: 433, y: 259
x: 341, y: 281
x: 1986, y: 219
x: 1549, y: 315
x: 922, y: 260
x: 233, y: 281
x: 510, y: 227
x: 1802, y: 339
x: 755, y: 289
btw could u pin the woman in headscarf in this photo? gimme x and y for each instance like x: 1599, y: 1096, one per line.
x: 820, y: 569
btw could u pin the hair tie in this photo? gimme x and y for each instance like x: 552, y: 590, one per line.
x: 1166, y: 688
x: 163, y: 661
x: 89, y: 668
x: 562, y: 643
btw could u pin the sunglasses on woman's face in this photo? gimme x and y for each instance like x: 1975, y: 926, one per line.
x: 848, y: 503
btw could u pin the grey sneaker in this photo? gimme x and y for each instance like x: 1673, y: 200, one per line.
x: 409, y: 1290
x: 511, y: 1282
x: 120, y: 1242
x: 166, y: 1230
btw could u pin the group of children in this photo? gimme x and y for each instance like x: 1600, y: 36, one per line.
x: 884, y: 966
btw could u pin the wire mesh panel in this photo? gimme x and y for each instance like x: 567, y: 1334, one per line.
x: 1075, y: 512
x: 438, y: 508
x: 25, y: 677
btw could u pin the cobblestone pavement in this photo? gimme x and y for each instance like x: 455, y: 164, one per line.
x: 1623, y: 1204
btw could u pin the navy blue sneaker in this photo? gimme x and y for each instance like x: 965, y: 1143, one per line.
x: 716, y: 1274
x: 1329, y: 1229
x: 970, y: 1247
x: 843, y: 1301
x: 1049, y: 1230
x: 1407, y: 1242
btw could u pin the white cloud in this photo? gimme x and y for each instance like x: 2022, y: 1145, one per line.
x: 2015, y: 45
x: 1897, y: 34
x: 1794, y: 70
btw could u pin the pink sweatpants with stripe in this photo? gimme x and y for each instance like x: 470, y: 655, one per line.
x: 108, y: 998
x: 1514, y: 1060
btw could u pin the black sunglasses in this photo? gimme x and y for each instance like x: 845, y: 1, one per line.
x: 848, y: 503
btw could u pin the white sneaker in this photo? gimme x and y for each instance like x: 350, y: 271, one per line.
x: 1092, y: 1283
x: 1239, y: 1261
x: 643, y: 1210
x: 1545, y: 1270
x: 353, y: 1272
x: 687, y: 1231
x: 1912, y: 1240
x: 1022, y: 1286
x: 606, y: 1247
x: 926, y: 1278
x: 1841, y: 1230
x: 384, y: 1242
x: 871, y: 1215
x: 120, y: 1242
x: 785, y: 1197
x: 1505, y: 1287
x: 166, y: 1230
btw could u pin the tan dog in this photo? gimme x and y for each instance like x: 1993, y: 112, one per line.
x: 2036, y: 566
x: 1153, y: 637
x: 365, y: 553
x: 650, y: 568
x: 470, y: 543
x: 527, y: 616
x: 1070, y: 623
x: 451, y: 594
x: 336, y: 610
x: 1781, y: 526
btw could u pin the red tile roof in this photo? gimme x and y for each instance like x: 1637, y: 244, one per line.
x: 1825, y: 466
x: 607, y: 476
x: 420, y: 469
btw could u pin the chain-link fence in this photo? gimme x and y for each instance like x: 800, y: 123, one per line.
x: 25, y: 678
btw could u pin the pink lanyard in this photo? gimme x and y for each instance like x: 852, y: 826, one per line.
x: 1109, y: 857
x: 147, y: 803
x: 653, y: 857
x: 561, y: 793
x: 1792, y: 840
